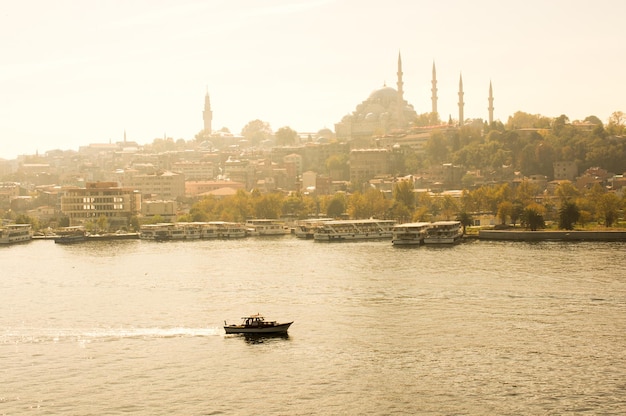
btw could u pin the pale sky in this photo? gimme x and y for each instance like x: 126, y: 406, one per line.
x: 75, y: 72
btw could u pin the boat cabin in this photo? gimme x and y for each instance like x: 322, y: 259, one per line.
x: 255, y: 321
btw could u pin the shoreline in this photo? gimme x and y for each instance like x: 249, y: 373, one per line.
x: 524, y: 235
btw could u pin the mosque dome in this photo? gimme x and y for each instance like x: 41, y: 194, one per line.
x: 385, y: 93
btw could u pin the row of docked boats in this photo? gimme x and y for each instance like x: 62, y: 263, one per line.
x: 415, y: 233
x: 324, y: 229
x: 211, y: 229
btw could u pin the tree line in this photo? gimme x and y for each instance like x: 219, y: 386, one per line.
x: 566, y: 207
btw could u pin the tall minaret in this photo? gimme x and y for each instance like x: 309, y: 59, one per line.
x: 207, y: 114
x: 400, y: 105
x: 400, y: 83
x: 434, y: 90
x: 490, y: 104
x: 461, y: 103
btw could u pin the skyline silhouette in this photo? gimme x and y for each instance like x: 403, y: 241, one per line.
x: 80, y: 72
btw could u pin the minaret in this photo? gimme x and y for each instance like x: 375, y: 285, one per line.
x: 434, y: 90
x: 490, y: 104
x: 207, y: 114
x: 400, y: 83
x: 400, y: 104
x: 461, y: 103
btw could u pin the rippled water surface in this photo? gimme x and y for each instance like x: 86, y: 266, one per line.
x: 479, y: 328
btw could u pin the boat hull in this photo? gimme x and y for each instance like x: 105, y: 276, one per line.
x: 407, y: 241
x: 353, y: 236
x: 442, y: 240
x: 274, y: 329
x: 70, y: 239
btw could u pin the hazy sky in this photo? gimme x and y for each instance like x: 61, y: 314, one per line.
x: 82, y: 71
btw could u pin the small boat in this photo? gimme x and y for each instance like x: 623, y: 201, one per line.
x: 256, y: 324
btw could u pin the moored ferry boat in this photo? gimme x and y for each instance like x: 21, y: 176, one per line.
x: 70, y: 235
x: 444, y: 232
x: 411, y: 233
x: 222, y: 229
x: 263, y: 227
x: 162, y: 232
x: 340, y: 230
x: 15, y: 233
x: 306, y: 228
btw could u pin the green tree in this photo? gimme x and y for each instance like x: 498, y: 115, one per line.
x: 616, y: 123
x: 516, y: 212
x: 436, y: 147
x: 268, y: 206
x: 566, y: 191
x: 403, y: 192
x: 103, y: 223
x: 400, y: 212
x: 296, y: 204
x: 337, y: 166
x: 532, y: 217
x: 568, y: 215
x: 505, y: 210
x: 336, y: 207
x: 256, y: 131
x: 286, y: 136
x: 608, y: 208
x: 466, y: 220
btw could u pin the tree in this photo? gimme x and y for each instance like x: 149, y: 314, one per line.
x: 505, y: 209
x: 568, y: 215
x: 337, y: 166
x: 296, y: 204
x: 268, y: 206
x: 616, y: 123
x: 466, y: 220
x: 566, y: 191
x: 103, y: 223
x: 336, y: 207
x: 436, y: 147
x: 532, y: 217
x: 403, y: 192
x: 256, y: 131
x: 285, y: 136
x: 608, y: 208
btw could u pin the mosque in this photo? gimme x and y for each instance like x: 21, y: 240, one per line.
x: 386, y: 110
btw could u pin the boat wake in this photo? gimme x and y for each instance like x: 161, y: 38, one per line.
x: 46, y: 335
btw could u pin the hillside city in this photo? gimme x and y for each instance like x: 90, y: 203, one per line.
x: 289, y: 174
x: 383, y: 160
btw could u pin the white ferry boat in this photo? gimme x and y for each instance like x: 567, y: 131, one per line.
x: 444, y: 232
x: 223, y: 229
x: 306, y: 228
x: 162, y: 232
x: 15, y: 233
x: 191, y: 230
x: 340, y: 230
x: 265, y: 227
x: 411, y: 233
